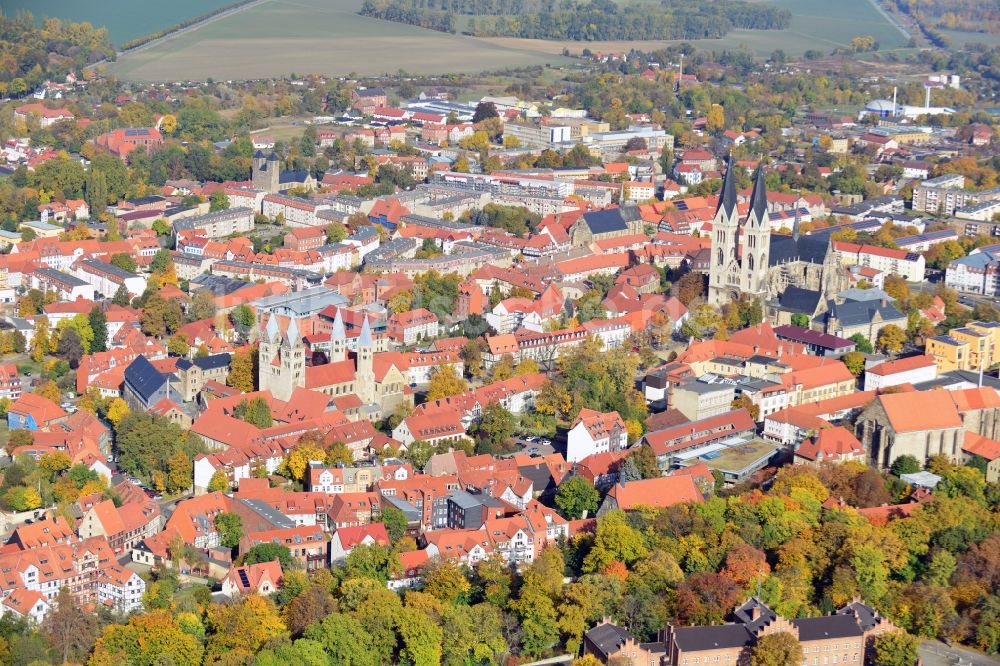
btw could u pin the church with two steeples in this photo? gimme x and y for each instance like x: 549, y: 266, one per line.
x: 364, y: 379
x: 788, y: 273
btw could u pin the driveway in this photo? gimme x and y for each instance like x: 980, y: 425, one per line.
x: 936, y: 653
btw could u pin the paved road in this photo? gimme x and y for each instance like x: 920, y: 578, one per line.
x: 936, y: 653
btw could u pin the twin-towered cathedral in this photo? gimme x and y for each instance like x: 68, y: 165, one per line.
x: 377, y: 385
x: 748, y: 259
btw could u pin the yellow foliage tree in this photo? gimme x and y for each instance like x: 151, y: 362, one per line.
x: 49, y: 390
x: 117, y: 410
x: 168, y: 124
x: 528, y: 366
x: 298, y: 460
x: 445, y: 382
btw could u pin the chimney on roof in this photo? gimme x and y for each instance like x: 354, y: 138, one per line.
x: 755, y: 612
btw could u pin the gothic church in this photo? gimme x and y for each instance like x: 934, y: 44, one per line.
x: 748, y: 259
x: 376, y: 383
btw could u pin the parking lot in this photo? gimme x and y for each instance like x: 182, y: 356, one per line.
x: 534, y: 446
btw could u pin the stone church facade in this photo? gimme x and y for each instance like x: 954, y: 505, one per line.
x: 378, y: 385
x: 747, y: 259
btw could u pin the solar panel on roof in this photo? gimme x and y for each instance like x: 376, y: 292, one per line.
x: 243, y: 578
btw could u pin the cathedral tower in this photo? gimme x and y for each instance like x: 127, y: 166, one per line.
x: 739, y: 261
x: 756, y: 240
x: 364, y: 376
x: 724, y: 271
x: 338, y: 339
x: 281, y: 359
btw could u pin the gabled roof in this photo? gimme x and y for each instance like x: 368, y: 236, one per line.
x: 144, y: 378
x: 661, y: 492
x: 605, y: 221
x: 920, y: 410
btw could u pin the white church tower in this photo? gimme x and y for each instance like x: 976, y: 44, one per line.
x: 740, y: 256
x: 281, y: 359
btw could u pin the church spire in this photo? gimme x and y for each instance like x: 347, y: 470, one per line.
x: 796, y: 228
x: 727, y: 196
x: 758, y: 198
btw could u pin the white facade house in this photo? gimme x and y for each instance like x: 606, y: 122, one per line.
x: 911, y: 370
x: 106, y: 279
x: 120, y: 589
x: 595, y: 432
x: 908, y: 265
x: 296, y: 212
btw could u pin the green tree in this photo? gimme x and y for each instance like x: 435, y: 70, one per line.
x: 800, y: 319
x: 121, y: 298
x: 372, y: 561
x: 218, y: 201
x: 862, y: 344
x: 268, y: 552
x: 230, y: 528
x: 395, y: 523
x: 124, y: 261
x: 778, y: 649
x: 905, y: 464
x: 577, y: 497
x: 256, y: 411
x: 202, y: 305
x: 99, y: 326
x: 896, y: 648
x: 495, y: 429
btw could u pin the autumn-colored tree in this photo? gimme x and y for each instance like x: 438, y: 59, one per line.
x: 309, y: 607
x: 777, y: 649
x: 40, y: 340
x: 116, y: 411
x: 447, y: 581
x: 241, y: 629
x: 69, y: 629
x: 690, y: 288
x: 744, y: 402
x: 146, y: 640
x: 891, y: 338
x: 445, y: 382
x: 241, y: 370
x: 297, y: 461
x: 746, y: 564
x: 178, y: 345
x: 896, y: 648
x: 715, y: 121
x: 896, y: 287
x: 855, y: 362
x: 48, y: 389
x: 503, y: 369
x: 219, y: 483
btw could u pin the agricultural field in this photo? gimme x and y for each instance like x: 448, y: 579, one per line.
x: 280, y: 37
x: 124, y: 19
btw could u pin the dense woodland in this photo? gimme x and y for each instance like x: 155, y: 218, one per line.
x: 969, y: 15
x: 30, y: 55
x: 582, y: 21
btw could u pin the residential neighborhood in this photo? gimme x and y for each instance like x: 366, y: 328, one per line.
x: 669, y: 357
